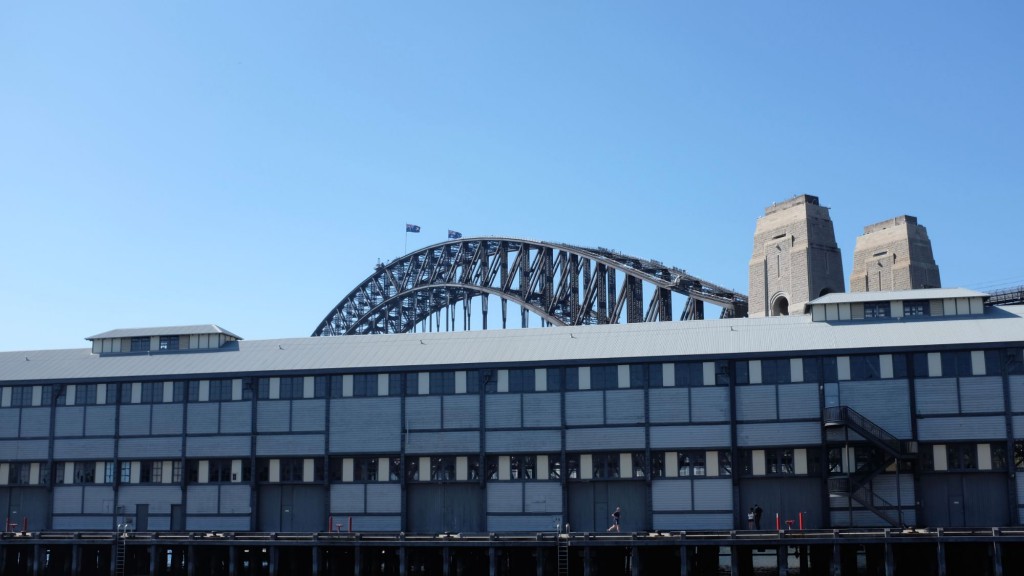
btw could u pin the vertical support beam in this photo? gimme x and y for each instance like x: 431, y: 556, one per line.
x: 782, y: 560
x: 232, y: 561
x: 836, y: 564
x: 890, y: 566
x: 634, y: 561
x: 446, y: 561
x: 492, y: 560
x: 190, y: 561
x: 997, y: 553
x: 734, y: 560
x: 357, y: 561
x: 586, y: 560
x: 940, y: 553
x: 684, y: 559
x: 315, y: 559
x: 403, y: 566
x: 275, y: 559
x: 37, y: 551
x: 76, y: 559
x: 152, y: 560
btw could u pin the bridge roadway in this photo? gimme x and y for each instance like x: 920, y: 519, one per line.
x: 992, y: 551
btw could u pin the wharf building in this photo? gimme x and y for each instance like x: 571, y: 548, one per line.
x: 869, y: 409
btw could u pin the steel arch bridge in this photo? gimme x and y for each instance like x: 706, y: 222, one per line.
x: 561, y: 283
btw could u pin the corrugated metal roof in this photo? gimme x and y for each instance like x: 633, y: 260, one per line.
x: 164, y: 331
x: 646, y: 341
x: 920, y: 294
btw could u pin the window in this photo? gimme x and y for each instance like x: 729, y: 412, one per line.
x: 775, y: 371
x: 58, y: 472
x: 690, y: 373
x: 412, y: 468
x: 85, y: 473
x: 291, y: 469
x: 563, y: 379
x: 778, y: 462
x: 916, y: 308
x: 554, y: 467
x: 692, y: 463
x: 442, y: 382
x: 572, y: 466
x: 999, y: 460
x: 292, y: 387
x: 920, y: 362
x: 865, y: 367
x: 364, y: 385
x: 645, y: 376
x: 219, y: 470
x: 604, y: 377
x: 474, y: 380
x: 364, y: 469
x: 524, y: 467
x: 442, y: 468
x: 655, y: 464
x: 605, y: 465
x: 168, y: 342
x: 140, y: 344
x: 406, y: 383
x: 21, y: 396
x: 812, y: 370
x: 876, y: 310
x: 1014, y: 361
x: 126, y: 472
x: 220, y: 390
x: 961, y: 456
x: 956, y: 364
x: 742, y: 372
x: 830, y: 369
x: 993, y: 363
x: 521, y: 380
x: 724, y: 463
x: 151, y: 472
x: 176, y: 471
x: 395, y: 468
x: 19, y: 473
x: 193, y: 471
x: 723, y: 376
x: 329, y: 387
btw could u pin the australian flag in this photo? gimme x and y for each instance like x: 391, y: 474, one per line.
x: 453, y: 235
x: 412, y: 228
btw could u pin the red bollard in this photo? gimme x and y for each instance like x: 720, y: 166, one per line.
x: 349, y: 524
x: 777, y: 527
x: 801, y: 517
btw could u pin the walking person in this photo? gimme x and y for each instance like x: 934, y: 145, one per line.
x: 757, y: 516
x: 750, y: 519
x: 615, y: 520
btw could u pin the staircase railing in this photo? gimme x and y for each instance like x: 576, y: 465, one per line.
x: 846, y: 416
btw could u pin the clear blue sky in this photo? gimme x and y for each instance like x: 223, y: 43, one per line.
x: 247, y: 163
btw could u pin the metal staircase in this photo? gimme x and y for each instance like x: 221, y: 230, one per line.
x: 890, y: 449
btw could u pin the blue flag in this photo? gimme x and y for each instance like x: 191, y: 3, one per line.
x: 412, y: 228
x: 453, y: 235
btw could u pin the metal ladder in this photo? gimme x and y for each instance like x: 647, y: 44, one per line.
x: 563, y: 551
x: 121, y: 537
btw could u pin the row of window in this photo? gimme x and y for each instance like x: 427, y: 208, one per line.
x: 610, y: 377
x: 470, y: 468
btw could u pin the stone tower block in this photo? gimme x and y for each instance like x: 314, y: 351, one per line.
x: 796, y: 258
x: 894, y: 255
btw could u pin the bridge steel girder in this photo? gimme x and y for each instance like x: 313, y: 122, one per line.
x: 561, y: 283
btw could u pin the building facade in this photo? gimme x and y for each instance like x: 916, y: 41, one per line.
x: 871, y: 409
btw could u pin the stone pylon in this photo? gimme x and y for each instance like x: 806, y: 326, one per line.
x: 796, y: 258
x: 894, y: 255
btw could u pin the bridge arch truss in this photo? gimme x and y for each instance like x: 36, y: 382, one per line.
x: 561, y: 283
